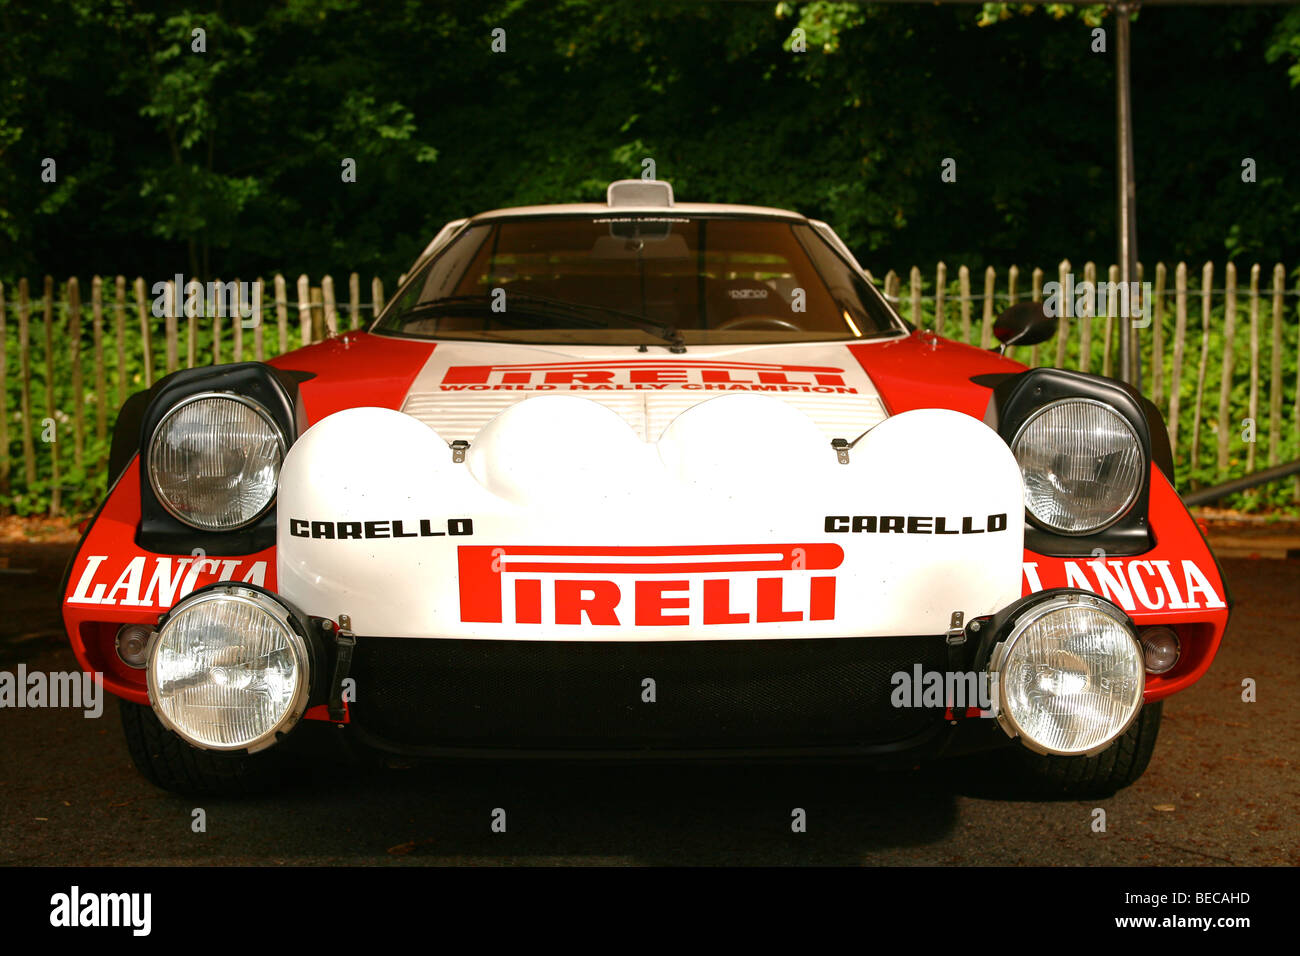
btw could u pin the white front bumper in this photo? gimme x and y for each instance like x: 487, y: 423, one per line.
x: 563, y: 524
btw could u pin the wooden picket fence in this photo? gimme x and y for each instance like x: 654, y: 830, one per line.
x: 60, y: 373
x: 44, y: 335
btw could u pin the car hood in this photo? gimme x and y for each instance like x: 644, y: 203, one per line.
x: 456, y: 388
x: 463, y: 386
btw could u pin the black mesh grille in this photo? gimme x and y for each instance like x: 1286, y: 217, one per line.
x: 536, y: 694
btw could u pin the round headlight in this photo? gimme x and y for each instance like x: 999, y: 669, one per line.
x: 1082, y: 465
x: 214, y: 461
x: 228, y: 671
x: 1069, y: 675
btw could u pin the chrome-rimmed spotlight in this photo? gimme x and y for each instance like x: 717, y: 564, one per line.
x: 1070, y: 674
x: 229, y: 669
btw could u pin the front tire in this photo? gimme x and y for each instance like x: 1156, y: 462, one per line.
x: 169, y: 762
x: 1115, y: 768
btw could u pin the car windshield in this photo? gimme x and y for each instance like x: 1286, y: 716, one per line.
x: 639, y: 280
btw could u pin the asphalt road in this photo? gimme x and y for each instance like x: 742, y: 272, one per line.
x: 1222, y: 788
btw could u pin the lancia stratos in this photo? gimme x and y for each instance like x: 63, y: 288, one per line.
x: 644, y: 479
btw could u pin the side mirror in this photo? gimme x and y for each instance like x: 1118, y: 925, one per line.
x: 1025, y: 324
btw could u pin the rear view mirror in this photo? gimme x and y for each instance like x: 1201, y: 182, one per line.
x: 1025, y: 324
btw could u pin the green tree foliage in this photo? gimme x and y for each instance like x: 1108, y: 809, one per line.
x: 229, y: 161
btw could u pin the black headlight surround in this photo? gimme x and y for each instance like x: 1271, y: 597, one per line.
x: 274, y: 390
x: 1017, y: 397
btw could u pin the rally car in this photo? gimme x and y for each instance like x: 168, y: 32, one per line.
x: 644, y: 479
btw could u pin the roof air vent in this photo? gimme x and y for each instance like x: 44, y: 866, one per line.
x: 639, y: 192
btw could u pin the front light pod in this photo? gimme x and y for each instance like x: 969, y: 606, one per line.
x: 230, y: 668
x: 1069, y: 675
x: 214, y: 461
x: 1082, y: 464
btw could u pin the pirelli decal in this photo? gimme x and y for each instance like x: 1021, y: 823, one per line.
x: 647, y: 375
x: 661, y: 586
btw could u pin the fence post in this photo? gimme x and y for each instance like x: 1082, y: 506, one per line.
x: 146, y: 343
x: 1253, y: 406
x: 282, y: 312
x: 986, y: 327
x: 963, y: 297
x: 1180, y: 336
x: 914, y: 282
x: 1295, y: 409
x: 354, y: 300
x: 1085, y: 319
x: 891, y: 289
x: 940, y: 288
x: 119, y: 332
x: 172, y: 328
x: 216, y: 318
x: 1112, y: 313
x: 304, y: 308
x: 1207, y: 291
x: 101, y: 383
x: 1158, y: 337
x: 317, y: 304
x: 74, y: 342
x: 1225, y: 367
x: 192, y: 326
x: 237, y: 323
x: 56, y: 495
x: 331, y: 313
x: 1064, y: 307
x: 1013, y: 274
x: 4, y: 397
x: 1135, y: 335
x: 259, y: 344
x: 1275, y: 385
x: 1035, y: 295
x: 25, y: 370
x: 377, y: 294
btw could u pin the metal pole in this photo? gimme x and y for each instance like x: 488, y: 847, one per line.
x: 1130, y: 367
x: 1276, y: 473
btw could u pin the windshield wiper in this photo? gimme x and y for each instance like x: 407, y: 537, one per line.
x: 546, y: 306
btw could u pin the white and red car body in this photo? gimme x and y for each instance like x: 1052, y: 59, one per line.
x: 615, y: 495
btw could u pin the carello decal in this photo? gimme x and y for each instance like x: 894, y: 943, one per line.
x: 389, y: 528
x: 915, y: 524
x: 662, y: 586
x: 158, y: 582
x: 1135, y: 585
x: 647, y: 375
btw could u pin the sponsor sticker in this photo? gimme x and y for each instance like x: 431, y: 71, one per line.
x: 647, y: 374
x: 641, y: 587
x: 1135, y: 584
x: 158, y: 582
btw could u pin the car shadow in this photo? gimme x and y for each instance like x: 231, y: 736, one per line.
x: 661, y: 814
